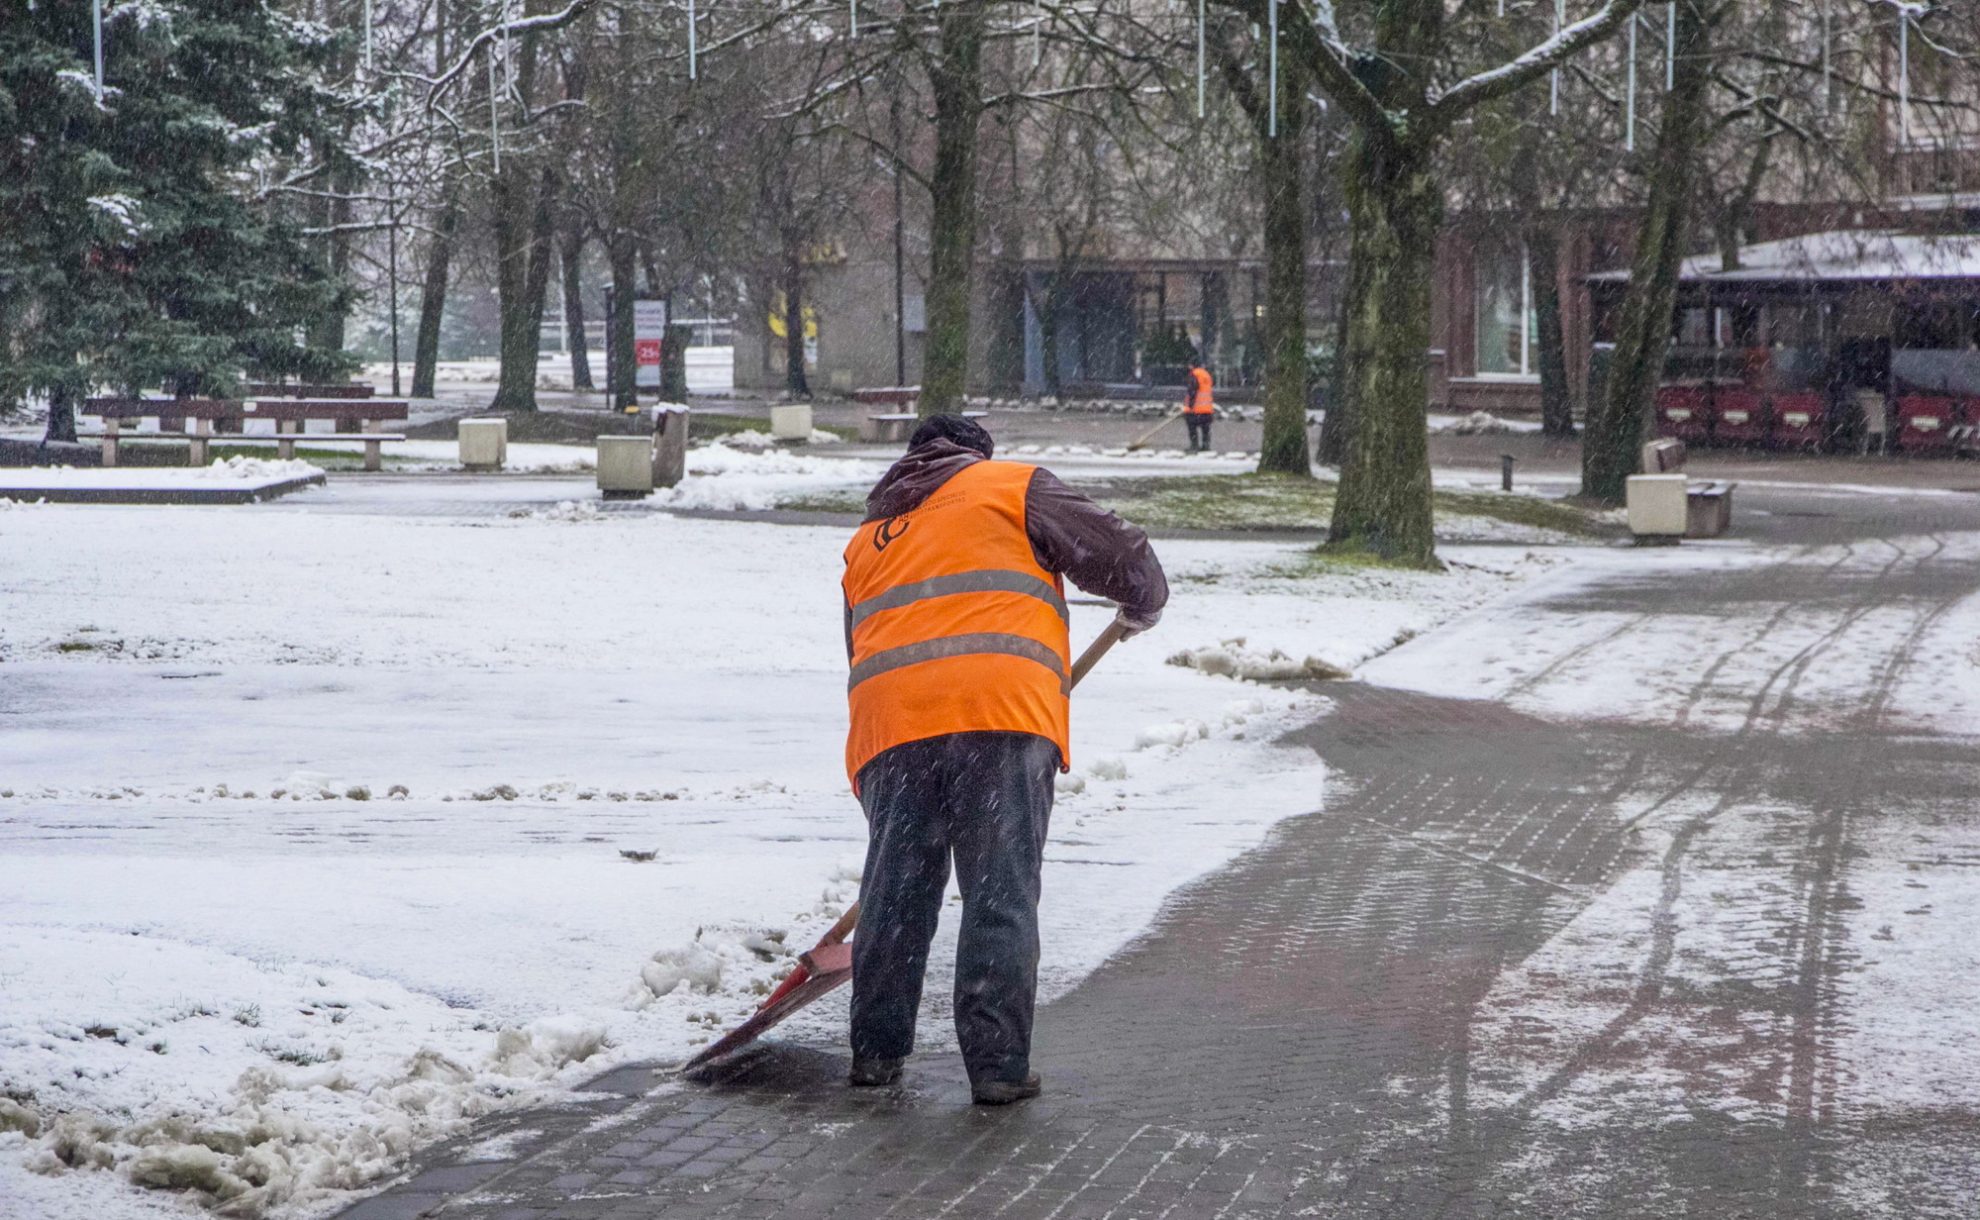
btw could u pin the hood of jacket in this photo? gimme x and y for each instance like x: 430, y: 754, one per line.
x: 916, y: 476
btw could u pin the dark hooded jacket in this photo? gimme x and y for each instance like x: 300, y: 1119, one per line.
x: 1070, y: 534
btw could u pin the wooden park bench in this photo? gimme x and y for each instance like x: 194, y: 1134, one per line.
x: 221, y: 419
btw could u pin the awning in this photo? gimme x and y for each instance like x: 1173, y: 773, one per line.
x: 1841, y: 257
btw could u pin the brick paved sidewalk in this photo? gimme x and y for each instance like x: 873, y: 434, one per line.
x: 1322, y: 1028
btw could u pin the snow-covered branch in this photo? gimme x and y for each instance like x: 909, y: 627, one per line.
x: 1312, y: 30
x: 507, y: 29
x: 1510, y: 76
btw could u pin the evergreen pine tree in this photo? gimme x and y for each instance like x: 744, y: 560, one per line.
x: 137, y: 250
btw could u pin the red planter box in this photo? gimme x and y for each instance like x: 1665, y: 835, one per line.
x: 1684, y: 412
x: 1925, y: 423
x: 1742, y: 417
x: 1801, y: 421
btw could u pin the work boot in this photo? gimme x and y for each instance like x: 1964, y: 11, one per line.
x: 1004, y: 1092
x: 873, y: 1073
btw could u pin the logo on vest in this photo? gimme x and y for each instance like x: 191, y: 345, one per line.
x: 890, y: 529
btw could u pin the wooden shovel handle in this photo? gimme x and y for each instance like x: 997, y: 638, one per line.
x: 1087, y: 660
x: 1113, y: 635
x: 840, y: 930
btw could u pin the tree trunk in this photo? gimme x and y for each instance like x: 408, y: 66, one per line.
x: 61, y: 416
x: 1557, y: 397
x: 522, y: 268
x: 433, y: 297
x: 795, y: 381
x: 956, y: 79
x: 325, y: 331
x: 622, y: 252
x: 573, y: 257
x: 542, y: 253
x: 1284, y: 449
x: 1048, y: 341
x: 1338, y: 429
x: 1394, y: 211
x: 440, y: 253
x: 1618, y: 424
x: 673, y: 360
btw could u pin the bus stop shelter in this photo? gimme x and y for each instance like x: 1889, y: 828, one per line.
x: 1849, y: 339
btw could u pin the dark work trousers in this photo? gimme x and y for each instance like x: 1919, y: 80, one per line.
x: 1199, y: 428
x: 984, y: 798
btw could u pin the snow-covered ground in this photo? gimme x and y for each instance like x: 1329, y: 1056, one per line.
x: 1604, y: 658
x: 1690, y: 958
x: 234, y: 474
x: 315, y: 812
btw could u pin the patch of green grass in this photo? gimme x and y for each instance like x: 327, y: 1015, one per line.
x: 1522, y: 510
x: 1288, y: 502
x: 1223, y: 502
x: 841, y: 502
x: 710, y: 424
x: 329, y: 459
x: 1329, y: 560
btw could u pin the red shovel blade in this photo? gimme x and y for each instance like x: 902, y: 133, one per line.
x: 804, y: 985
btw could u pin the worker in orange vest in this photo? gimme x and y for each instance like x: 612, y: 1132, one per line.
x: 956, y: 632
x: 1198, y: 408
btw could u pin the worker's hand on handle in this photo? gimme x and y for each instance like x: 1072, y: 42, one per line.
x: 1132, y: 625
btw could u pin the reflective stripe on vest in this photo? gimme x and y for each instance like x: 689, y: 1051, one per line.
x: 974, y: 644
x: 961, y: 582
x: 954, y: 627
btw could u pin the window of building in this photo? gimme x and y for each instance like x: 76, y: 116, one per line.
x: 1508, y: 327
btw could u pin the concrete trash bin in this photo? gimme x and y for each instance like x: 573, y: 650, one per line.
x: 625, y: 467
x: 1708, y: 509
x: 791, y: 423
x: 1658, y: 509
x: 670, y: 438
x: 484, y: 443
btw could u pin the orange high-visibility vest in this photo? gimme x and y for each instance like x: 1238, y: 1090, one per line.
x: 955, y: 627
x: 1200, y: 402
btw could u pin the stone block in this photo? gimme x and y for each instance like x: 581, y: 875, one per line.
x: 625, y: 467
x: 484, y: 443
x: 1657, y: 507
x: 792, y: 422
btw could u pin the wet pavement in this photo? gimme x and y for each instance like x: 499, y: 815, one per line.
x: 1359, y: 1019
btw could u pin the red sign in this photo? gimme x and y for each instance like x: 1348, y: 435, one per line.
x: 646, y: 351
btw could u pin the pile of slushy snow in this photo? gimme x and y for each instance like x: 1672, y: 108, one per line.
x: 579, y: 512
x: 257, y: 468
x: 1233, y: 658
x: 1478, y: 423
x: 296, y: 1096
x: 726, y: 476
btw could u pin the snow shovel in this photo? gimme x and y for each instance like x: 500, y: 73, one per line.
x: 1141, y: 442
x: 829, y: 962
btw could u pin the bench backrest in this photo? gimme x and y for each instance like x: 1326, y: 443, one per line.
x: 169, y: 408
x: 339, y: 409
x: 326, y: 408
x: 273, y: 389
x: 1664, y: 456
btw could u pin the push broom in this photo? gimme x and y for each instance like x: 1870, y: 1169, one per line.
x: 1141, y: 442
x: 829, y: 962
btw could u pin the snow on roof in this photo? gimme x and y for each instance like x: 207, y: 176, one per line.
x: 1841, y: 255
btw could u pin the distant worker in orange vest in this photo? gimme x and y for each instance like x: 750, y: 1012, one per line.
x: 956, y: 632
x: 1198, y: 408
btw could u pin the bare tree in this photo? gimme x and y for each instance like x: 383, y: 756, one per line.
x: 1394, y: 75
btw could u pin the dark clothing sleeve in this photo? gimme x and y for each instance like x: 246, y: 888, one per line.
x: 1093, y: 548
